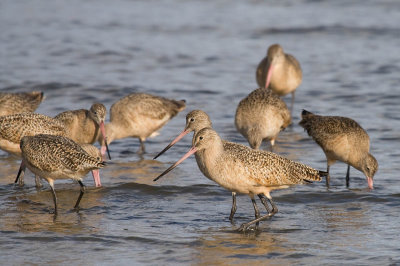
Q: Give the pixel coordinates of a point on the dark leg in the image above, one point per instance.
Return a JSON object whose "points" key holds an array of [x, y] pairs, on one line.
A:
{"points": [[256, 211], [246, 226], [83, 188], [348, 176], [292, 104], [141, 149], [328, 177], [233, 210], [264, 202], [38, 182], [20, 175], [54, 197]]}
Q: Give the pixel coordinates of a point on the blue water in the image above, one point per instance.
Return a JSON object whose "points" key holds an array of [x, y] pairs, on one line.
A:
{"points": [[206, 52]]}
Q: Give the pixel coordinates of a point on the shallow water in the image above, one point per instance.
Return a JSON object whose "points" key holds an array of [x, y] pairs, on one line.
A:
{"points": [[205, 52]]}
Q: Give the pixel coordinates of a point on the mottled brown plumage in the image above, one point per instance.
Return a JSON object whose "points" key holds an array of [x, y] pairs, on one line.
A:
{"points": [[140, 115], [56, 157], [280, 72], [261, 116], [342, 139], [244, 170], [83, 126], [15, 103], [14, 127]]}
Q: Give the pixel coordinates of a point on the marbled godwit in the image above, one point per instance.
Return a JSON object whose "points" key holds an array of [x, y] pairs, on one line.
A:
{"points": [[280, 72], [342, 139], [261, 116], [139, 115], [56, 157], [89, 148], [84, 126], [195, 121], [16, 103], [244, 170], [14, 127]]}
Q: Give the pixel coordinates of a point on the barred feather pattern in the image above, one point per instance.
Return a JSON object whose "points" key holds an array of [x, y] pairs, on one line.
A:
{"points": [[14, 127], [14, 103], [49, 153]]}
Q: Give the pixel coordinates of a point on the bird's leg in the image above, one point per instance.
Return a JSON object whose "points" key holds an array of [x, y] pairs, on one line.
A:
{"points": [[38, 182], [233, 210], [274, 208], [83, 188], [272, 145], [264, 202], [292, 104], [348, 176], [256, 211], [141, 149], [256, 221], [21, 173], [245, 226], [328, 177], [51, 183]]}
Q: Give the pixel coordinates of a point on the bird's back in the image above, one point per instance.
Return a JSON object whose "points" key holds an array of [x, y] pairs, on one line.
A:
{"points": [[262, 114], [14, 103], [14, 127], [49, 153], [325, 129], [144, 113], [270, 169]]}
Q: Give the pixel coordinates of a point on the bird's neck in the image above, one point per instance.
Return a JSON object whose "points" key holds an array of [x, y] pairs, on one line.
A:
{"points": [[113, 132], [208, 158]]}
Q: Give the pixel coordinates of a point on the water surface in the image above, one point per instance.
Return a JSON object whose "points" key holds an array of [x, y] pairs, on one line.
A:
{"points": [[205, 52]]}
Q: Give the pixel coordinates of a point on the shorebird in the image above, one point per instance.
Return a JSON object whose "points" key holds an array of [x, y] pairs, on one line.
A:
{"points": [[56, 157], [341, 139], [85, 126], [244, 170], [261, 116], [15, 103], [280, 72], [14, 127], [89, 148], [195, 121], [139, 115]]}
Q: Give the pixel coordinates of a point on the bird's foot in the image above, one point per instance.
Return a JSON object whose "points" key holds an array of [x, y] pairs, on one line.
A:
{"points": [[246, 227]]}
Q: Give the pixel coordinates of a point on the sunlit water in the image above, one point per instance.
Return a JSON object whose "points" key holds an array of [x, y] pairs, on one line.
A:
{"points": [[206, 52]]}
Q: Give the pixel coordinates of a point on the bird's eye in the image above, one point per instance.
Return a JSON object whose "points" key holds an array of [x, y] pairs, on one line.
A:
{"points": [[191, 119], [201, 138], [95, 112]]}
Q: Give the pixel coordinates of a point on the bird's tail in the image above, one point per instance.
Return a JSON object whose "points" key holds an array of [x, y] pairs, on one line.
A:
{"points": [[314, 175]]}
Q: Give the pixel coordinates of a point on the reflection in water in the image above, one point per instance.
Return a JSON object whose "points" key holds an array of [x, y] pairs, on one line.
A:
{"points": [[228, 248], [30, 211], [142, 172]]}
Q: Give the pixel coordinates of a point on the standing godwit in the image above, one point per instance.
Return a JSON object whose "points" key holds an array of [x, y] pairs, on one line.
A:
{"points": [[280, 72], [14, 127], [84, 126], [261, 116], [342, 139], [16, 103], [139, 115], [56, 157], [195, 121], [89, 148], [244, 170]]}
